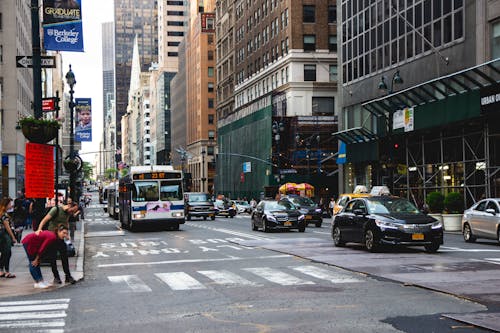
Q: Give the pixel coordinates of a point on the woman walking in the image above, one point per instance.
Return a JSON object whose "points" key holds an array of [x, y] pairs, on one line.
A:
{"points": [[7, 238]]}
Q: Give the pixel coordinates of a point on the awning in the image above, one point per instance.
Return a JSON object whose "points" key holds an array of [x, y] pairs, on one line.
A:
{"points": [[473, 78], [355, 135]]}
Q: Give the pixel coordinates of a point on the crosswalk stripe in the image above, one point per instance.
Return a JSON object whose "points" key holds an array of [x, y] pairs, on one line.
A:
{"points": [[33, 315], [227, 278], [133, 282], [324, 274], [50, 331], [34, 302], [179, 281], [26, 308], [277, 276], [32, 323]]}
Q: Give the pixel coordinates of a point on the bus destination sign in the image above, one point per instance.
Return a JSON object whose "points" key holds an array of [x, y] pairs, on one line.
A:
{"points": [[156, 175]]}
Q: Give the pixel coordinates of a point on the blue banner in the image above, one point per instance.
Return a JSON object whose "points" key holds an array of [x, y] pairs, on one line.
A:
{"points": [[62, 25], [342, 157], [83, 130]]}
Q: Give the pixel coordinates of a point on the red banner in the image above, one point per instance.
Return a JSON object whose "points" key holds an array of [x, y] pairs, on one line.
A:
{"points": [[49, 104], [39, 170]]}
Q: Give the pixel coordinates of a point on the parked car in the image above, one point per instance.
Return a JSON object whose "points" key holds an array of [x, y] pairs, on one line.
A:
{"points": [[386, 220], [482, 220], [225, 207], [312, 212], [198, 204], [273, 214], [243, 207]]}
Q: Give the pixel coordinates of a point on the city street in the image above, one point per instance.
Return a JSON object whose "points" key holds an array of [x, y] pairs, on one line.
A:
{"points": [[207, 278]]}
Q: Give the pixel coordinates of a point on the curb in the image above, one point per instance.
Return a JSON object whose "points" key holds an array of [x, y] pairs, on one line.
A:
{"points": [[81, 251]]}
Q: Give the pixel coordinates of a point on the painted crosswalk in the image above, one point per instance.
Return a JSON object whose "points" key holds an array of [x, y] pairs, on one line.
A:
{"points": [[34, 316], [245, 277]]}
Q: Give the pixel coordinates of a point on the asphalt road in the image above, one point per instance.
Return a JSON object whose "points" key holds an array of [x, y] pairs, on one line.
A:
{"points": [[204, 278]]}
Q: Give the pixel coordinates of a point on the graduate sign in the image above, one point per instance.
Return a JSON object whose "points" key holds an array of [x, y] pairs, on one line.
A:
{"points": [[62, 25], [83, 131]]}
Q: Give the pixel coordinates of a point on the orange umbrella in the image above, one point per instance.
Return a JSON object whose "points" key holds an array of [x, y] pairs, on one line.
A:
{"points": [[288, 188]]}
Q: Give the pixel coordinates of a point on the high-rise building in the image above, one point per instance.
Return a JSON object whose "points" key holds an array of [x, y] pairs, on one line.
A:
{"points": [[16, 91], [132, 18], [178, 112], [416, 81], [285, 89], [200, 106]]}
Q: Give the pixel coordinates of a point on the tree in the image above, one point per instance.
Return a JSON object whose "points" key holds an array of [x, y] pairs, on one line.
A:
{"points": [[88, 170], [110, 173]]}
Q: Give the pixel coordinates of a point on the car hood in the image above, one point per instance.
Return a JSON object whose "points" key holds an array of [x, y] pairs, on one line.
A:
{"points": [[406, 218], [197, 204], [283, 212]]}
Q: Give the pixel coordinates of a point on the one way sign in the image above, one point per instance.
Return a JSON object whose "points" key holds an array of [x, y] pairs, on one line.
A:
{"points": [[27, 62]]}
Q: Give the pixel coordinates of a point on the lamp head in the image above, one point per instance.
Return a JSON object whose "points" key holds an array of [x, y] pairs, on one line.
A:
{"points": [[281, 127], [397, 78], [70, 77], [382, 85]]}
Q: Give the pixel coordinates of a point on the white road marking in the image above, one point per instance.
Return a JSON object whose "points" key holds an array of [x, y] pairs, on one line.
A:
{"points": [[48, 301], [459, 249], [322, 232], [180, 281], [183, 261], [231, 232], [105, 233], [41, 307], [227, 278], [33, 315], [276, 276], [324, 274], [133, 281], [32, 324]]}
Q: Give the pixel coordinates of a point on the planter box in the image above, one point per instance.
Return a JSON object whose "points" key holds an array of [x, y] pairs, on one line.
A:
{"points": [[39, 133], [452, 222]]}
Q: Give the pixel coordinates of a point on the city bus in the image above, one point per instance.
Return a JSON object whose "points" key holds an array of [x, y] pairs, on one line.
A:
{"points": [[112, 199], [151, 195]]}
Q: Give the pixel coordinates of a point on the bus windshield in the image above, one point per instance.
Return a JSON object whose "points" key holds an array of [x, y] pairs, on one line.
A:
{"points": [[170, 191], [145, 191]]}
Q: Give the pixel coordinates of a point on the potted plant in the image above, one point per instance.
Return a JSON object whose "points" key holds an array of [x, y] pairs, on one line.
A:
{"points": [[454, 208], [39, 130], [435, 202]]}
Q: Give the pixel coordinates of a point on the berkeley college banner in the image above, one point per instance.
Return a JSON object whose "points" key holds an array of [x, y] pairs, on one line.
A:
{"points": [[83, 131], [62, 25]]}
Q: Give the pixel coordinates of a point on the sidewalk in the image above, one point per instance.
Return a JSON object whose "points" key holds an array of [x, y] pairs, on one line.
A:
{"points": [[23, 283]]}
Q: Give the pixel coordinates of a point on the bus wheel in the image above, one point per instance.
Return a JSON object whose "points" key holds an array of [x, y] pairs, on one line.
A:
{"points": [[176, 227]]}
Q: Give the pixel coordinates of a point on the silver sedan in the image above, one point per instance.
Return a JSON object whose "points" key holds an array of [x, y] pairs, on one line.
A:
{"points": [[482, 220]]}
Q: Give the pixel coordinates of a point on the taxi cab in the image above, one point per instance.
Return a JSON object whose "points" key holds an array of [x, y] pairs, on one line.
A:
{"points": [[359, 192]]}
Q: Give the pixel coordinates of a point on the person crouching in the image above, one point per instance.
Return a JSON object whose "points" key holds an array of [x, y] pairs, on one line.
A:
{"points": [[35, 245]]}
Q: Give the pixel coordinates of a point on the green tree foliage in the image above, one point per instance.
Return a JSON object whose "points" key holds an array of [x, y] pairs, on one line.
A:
{"points": [[110, 173], [454, 203], [435, 201], [88, 171]]}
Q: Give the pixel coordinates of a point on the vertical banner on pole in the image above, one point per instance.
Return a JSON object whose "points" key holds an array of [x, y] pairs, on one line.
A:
{"points": [[83, 131], [62, 25], [39, 170]]}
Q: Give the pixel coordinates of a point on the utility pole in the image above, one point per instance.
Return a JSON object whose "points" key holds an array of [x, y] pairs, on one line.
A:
{"points": [[37, 66]]}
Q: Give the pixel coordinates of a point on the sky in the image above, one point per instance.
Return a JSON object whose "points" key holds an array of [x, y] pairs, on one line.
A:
{"points": [[87, 67]]}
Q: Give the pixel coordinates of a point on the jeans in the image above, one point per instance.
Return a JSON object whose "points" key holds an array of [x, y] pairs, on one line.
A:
{"points": [[5, 248], [59, 246], [35, 272]]}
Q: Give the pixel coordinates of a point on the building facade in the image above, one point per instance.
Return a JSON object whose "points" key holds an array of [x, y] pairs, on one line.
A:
{"points": [[285, 77], [413, 73]]}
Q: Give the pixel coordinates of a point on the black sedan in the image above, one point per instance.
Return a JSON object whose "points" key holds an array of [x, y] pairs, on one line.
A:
{"points": [[272, 214], [377, 221], [312, 212]]}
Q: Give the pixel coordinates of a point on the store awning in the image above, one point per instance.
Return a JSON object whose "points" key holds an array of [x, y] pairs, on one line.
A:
{"points": [[472, 78], [355, 135]]}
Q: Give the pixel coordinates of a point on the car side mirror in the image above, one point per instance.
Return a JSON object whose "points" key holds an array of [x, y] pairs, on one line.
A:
{"points": [[359, 212], [491, 211]]}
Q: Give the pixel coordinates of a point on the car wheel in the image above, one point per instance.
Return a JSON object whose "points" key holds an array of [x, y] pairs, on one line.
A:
{"points": [[337, 237], [468, 236], [212, 218], [188, 217], [232, 216], [318, 224], [371, 241], [176, 227], [302, 227], [254, 227], [265, 228], [204, 218], [432, 248]]}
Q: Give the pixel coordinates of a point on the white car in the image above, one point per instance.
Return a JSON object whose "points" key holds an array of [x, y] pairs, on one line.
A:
{"points": [[482, 220], [243, 207]]}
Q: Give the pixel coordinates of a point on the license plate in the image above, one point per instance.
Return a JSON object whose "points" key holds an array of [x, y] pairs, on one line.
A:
{"points": [[287, 224], [417, 236], [309, 217]]}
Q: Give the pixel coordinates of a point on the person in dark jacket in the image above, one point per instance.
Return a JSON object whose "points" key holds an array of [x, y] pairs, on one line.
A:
{"points": [[35, 245]]}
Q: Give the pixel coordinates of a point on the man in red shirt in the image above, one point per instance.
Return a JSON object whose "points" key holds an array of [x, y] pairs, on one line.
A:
{"points": [[35, 245]]}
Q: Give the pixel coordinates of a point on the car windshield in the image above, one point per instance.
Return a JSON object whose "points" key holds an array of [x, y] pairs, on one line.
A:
{"points": [[391, 206], [303, 201], [200, 197], [282, 205], [243, 203]]}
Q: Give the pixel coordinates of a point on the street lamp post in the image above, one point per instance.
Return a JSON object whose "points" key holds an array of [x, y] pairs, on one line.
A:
{"points": [[278, 127], [70, 80], [203, 178]]}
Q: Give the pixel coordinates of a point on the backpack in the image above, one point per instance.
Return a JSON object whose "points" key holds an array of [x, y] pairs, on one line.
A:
{"points": [[21, 212]]}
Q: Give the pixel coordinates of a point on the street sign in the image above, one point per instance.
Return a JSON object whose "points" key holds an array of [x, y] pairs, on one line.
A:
{"points": [[49, 104], [27, 62]]}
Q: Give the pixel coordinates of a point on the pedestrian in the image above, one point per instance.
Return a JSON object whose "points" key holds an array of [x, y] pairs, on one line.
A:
{"points": [[35, 245], [56, 216], [253, 203], [331, 205], [73, 219], [7, 238], [20, 216]]}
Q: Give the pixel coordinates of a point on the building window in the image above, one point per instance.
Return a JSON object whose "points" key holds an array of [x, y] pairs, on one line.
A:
{"points": [[175, 33], [495, 40], [210, 151], [210, 55], [173, 54], [210, 39], [210, 23], [309, 72], [210, 72], [210, 103], [211, 119], [210, 87], [309, 13], [323, 106], [175, 23], [309, 42], [332, 14], [173, 43], [211, 135], [332, 43], [333, 73]]}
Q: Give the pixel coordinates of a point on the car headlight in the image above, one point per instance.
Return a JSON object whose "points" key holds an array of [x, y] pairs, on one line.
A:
{"points": [[437, 225], [386, 224], [303, 211], [271, 218], [177, 214], [138, 216], [318, 210], [301, 217]]}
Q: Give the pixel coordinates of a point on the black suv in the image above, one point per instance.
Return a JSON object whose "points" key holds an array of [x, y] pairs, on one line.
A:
{"points": [[312, 212], [198, 204]]}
